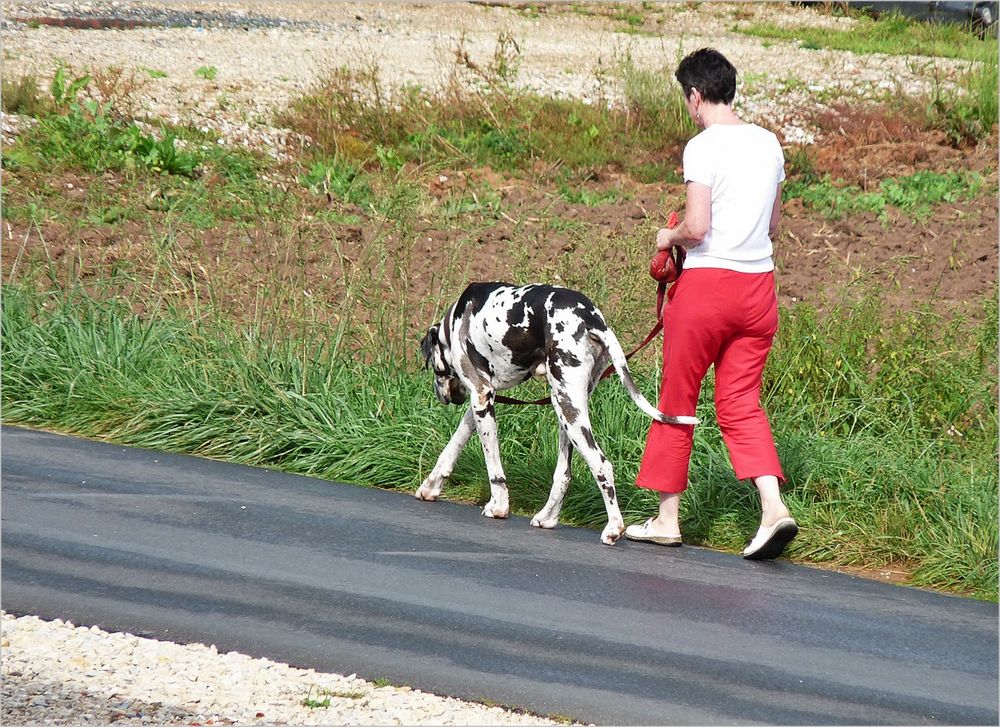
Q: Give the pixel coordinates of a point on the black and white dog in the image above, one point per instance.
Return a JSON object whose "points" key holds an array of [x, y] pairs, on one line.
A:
{"points": [[495, 337]]}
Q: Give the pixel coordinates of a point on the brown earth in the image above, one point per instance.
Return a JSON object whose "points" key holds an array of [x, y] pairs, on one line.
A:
{"points": [[534, 234]]}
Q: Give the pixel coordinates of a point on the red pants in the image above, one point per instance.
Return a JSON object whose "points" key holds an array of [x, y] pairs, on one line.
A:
{"points": [[728, 319]]}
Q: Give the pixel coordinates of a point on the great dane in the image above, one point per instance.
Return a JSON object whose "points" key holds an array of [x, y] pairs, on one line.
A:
{"points": [[497, 335]]}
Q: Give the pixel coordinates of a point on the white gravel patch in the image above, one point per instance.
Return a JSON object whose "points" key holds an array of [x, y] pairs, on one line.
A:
{"points": [[56, 673]]}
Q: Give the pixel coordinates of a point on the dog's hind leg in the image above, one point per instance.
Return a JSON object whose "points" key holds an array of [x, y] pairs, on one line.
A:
{"points": [[430, 488], [571, 403], [548, 516]]}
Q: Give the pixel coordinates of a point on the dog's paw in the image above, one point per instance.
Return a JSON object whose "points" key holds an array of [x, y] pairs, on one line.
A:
{"points": [[428, 491], [492, 509], [612, 533], [546, 523]]}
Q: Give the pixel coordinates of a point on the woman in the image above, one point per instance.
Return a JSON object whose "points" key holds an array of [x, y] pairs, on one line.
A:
{"points": [[724, 310]]}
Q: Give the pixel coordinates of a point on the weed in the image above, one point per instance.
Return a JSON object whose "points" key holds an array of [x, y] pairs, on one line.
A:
{"points": [[328, 696], [86, 133], [971, 116], [22, 96], [312, 703], [892, 33], [86, 136], [801, 165], [338, 180], [487, 122], [482, 202], [64, 91], [118, 89], [206, 72], [590, 198]]}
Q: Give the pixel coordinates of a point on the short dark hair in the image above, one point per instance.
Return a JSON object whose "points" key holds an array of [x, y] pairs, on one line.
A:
{"points": [[711, 73]]}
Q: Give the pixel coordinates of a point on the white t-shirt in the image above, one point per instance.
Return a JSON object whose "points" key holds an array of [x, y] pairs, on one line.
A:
{"points": [[743, 164]]}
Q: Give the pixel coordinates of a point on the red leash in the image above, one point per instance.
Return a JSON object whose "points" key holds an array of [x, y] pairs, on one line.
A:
{"points": [[665, 268]]}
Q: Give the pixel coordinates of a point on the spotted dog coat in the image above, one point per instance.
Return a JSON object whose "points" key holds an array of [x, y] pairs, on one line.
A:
{"points": [[495, 337]]}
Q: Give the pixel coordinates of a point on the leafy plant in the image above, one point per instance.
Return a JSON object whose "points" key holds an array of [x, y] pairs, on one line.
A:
{"points": [[64, 91], [915, 194], [313, 703], [157, 156], [206, 72]]}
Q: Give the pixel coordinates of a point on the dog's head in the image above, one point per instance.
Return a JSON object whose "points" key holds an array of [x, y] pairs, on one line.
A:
{"points": [[435, 349]]}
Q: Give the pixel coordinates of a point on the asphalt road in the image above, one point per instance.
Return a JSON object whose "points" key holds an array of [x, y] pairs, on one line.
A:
{"points": [[346, 579]]}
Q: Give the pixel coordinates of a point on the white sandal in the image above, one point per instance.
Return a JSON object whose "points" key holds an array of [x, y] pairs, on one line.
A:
{"points": [[770, 542], [641, 534]]}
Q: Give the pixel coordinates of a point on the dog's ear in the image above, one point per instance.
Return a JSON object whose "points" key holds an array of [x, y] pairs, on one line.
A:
{"points": [[427, 345]]}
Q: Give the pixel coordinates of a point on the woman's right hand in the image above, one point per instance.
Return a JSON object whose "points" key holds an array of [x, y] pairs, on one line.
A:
{"points": [[664, 238]]}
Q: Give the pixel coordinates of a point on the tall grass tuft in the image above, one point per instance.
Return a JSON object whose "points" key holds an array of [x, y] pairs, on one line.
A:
{"points": [[22, 96], [481, 118]]}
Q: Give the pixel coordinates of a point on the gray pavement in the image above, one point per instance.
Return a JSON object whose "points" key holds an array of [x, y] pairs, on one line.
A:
{"points": [[347, 579]]}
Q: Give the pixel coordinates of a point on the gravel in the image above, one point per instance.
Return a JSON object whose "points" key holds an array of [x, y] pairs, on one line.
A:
{"points": [[56, 673], [267, 53]]}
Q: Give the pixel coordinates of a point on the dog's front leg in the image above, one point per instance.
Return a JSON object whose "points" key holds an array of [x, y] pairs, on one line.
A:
{"points": [[486, 425], [431, 487]]}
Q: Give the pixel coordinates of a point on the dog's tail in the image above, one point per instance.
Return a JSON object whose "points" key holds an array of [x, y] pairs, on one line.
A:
{"points": [[617, 353]]}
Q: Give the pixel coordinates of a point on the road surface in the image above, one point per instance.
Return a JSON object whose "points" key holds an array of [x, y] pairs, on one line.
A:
{"points": [[347, 579]]}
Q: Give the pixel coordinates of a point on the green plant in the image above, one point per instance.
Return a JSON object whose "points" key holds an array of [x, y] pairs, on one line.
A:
{"points": [[312, 703], [489, 123], [327, 697], [336, 179], [206, 72], [157, 156], [892, 33], [590, 198], [64, 91], [86, 136], [971, 115], [484, 202]]}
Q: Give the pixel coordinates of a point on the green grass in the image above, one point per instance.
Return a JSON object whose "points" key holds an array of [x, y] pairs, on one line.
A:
{"points": [[886, 422], [892, 34], [916, 195]]}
